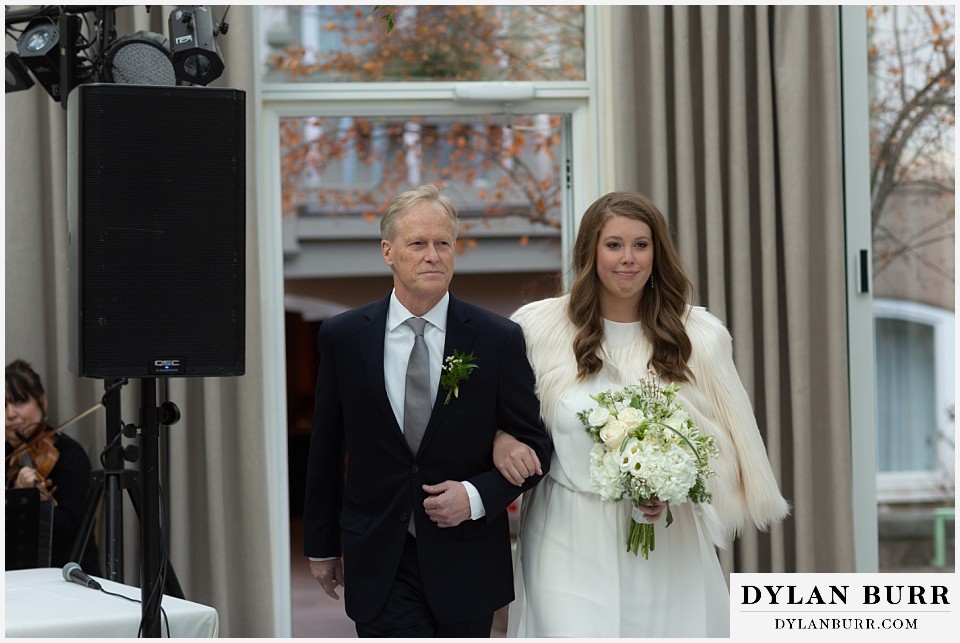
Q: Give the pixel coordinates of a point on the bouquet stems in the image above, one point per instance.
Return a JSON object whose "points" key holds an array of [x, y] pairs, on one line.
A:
{"points": [[642, 538]]}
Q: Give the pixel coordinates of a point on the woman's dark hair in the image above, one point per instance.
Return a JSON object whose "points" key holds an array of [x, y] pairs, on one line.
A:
{"points": [[23, 383], [664, 300]]}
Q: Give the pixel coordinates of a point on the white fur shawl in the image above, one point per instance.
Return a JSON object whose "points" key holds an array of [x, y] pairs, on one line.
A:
{"points": [[745, 487]]}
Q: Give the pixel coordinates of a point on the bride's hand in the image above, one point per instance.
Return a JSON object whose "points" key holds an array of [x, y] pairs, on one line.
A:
{"points": [[514, 459], [653, 509]]}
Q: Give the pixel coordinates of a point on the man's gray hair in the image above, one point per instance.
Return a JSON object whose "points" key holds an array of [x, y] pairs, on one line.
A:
{"points": [[388, 222]]}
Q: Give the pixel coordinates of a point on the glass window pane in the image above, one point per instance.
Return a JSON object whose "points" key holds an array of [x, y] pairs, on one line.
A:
{"points": [[912, 124], [495, 167], [341, 43], [906, 396]]}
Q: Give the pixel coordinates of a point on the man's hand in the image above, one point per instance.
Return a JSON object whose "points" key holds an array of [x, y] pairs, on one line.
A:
{"points": [[447, 503], [329, 573], [515, 460]]}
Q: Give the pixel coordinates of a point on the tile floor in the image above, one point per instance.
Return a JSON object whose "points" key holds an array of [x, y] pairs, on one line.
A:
{"points": [[314, 614]]}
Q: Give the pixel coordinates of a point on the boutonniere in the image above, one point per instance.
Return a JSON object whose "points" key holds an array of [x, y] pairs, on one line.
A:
{"points": [[456, 369]]}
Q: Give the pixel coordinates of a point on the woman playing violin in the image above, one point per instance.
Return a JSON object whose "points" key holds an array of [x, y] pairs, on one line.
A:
{"points": [[52, 462]]}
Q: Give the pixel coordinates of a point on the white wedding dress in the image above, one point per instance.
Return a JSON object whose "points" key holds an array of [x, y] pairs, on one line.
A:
{"points": [[574, 577]]}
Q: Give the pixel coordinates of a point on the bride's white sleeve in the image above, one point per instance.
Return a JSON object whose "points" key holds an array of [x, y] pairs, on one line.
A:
{"points": [[744, 488]]}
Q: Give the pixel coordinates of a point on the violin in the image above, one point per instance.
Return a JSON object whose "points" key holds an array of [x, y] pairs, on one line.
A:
{"points": [[39, 451]]}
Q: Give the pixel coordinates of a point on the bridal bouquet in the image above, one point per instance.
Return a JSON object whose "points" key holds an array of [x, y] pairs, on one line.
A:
{"points": [[646, 448]]}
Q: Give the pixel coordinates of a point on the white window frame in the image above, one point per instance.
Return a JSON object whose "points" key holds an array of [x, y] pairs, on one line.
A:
{"points": [[854, 87], [935, 485], [578, 99]]}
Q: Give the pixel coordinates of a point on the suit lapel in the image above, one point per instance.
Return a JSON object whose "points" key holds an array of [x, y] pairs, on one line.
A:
{"points": [[459, 337], [371, 337]]}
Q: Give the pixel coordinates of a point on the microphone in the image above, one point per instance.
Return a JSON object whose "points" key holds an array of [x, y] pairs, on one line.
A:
{"points": [[74, 574]]}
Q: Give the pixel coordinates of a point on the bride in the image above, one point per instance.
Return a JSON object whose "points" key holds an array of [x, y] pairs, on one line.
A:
{"points": [[628, 313]]}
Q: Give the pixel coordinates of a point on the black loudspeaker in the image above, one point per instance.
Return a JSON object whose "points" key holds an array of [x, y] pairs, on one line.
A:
{"points": [[156, 189]]}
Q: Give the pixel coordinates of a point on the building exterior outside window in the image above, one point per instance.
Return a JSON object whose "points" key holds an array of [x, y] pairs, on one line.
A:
{"points": [[486, 101], [913, 219]]}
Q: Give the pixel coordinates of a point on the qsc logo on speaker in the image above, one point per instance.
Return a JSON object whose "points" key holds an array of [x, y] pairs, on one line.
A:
{"points": [[166, 366]]}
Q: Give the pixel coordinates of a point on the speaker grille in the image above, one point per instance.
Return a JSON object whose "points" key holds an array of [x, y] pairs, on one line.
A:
{"points": [[161, 231]]}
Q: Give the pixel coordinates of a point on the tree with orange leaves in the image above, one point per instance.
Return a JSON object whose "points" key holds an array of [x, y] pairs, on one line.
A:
{"points": [[912, 69], [506, 162]]}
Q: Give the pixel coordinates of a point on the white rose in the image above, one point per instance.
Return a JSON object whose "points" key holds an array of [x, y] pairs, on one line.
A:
{"points": [[599, 416], [676, 420], [630, 416], [613, 433]]}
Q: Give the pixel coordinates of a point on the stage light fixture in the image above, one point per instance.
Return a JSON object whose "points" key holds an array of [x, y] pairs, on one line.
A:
{"points": [[18, 77], [195, 54], [38, 50], [142, 58]]}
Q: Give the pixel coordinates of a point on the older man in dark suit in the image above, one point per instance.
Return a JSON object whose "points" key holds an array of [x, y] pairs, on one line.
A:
{"points": [[404, 507]]}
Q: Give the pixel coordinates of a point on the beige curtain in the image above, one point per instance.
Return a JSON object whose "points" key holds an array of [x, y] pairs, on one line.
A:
{"points": [[733, 114], [223, 544]]}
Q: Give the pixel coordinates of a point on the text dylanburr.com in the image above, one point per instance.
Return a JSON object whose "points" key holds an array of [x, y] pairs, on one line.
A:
{"points": [[848, 607]]}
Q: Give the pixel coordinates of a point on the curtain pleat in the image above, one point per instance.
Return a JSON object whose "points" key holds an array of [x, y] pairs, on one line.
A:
{"points": [[736, 111], [216, 481]]}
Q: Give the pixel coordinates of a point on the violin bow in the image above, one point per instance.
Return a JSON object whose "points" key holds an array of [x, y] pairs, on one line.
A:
{"points": [[24, 445]]}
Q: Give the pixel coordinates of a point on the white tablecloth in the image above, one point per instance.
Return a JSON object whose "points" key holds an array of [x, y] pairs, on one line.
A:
{"points": [[39, 603]]}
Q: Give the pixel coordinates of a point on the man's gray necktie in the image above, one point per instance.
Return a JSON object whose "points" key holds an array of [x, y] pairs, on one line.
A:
{"points": [[417, 400]]}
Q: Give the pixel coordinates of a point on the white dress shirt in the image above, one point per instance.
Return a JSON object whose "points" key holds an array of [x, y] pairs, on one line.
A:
{"points": [[397, 345]]}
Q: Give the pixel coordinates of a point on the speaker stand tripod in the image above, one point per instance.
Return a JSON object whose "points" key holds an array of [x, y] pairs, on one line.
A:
{"points": [[143, 489]]}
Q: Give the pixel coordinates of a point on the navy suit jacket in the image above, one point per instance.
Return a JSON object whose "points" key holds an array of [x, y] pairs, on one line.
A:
{"points": [[363, 482]]}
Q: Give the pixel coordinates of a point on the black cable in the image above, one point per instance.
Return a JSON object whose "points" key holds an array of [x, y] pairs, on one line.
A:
{"points": [[161, 580], [14, 33], [103, 453], [157, 593], [135, 600], [87, 39]]}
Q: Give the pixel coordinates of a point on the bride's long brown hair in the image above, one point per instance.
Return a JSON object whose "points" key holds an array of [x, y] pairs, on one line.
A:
{"points": [[665, 297]]}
